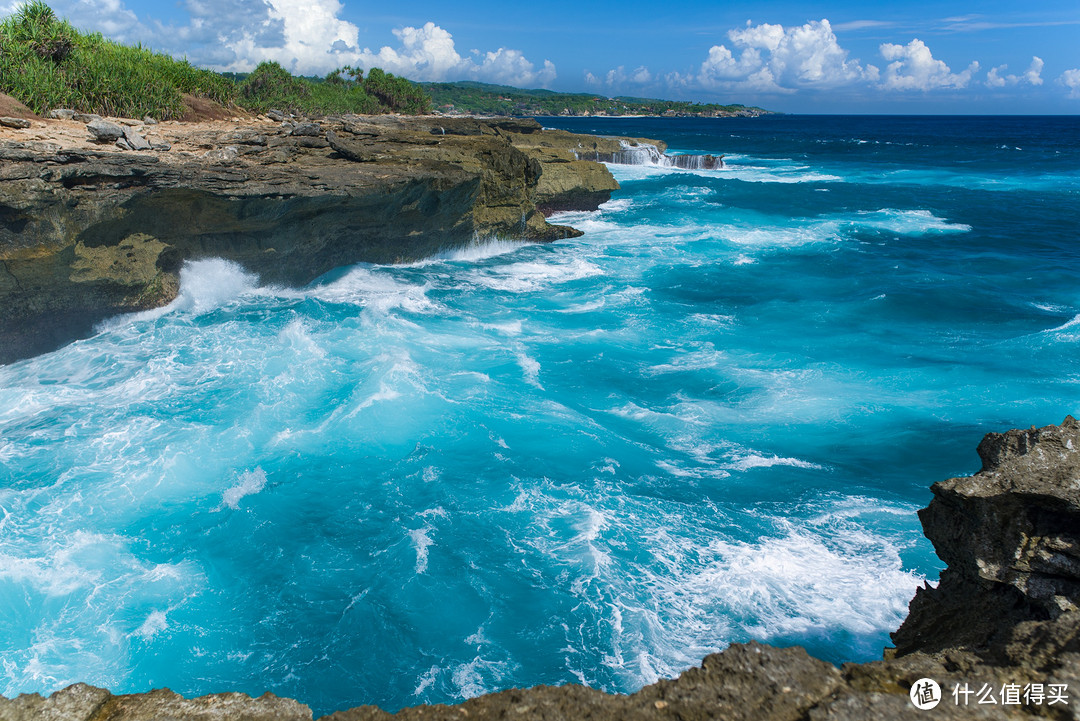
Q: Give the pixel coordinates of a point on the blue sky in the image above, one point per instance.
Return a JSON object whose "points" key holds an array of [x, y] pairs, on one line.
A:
{"points": [[834, 56]]}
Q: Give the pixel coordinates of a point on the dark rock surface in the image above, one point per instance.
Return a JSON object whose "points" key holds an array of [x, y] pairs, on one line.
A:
{"points": [[1004, 616], [89, 232]]}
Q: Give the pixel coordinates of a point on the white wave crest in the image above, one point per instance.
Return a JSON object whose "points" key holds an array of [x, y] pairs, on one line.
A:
{"points": [[251, 482], [205, 285], [531, 276]]}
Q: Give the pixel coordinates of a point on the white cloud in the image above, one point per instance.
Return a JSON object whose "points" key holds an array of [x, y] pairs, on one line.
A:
{"points": [[1031, 76], [306, 36], [778, 59], [617, 78], [1071, 80], [913, 67], [428, 53]]}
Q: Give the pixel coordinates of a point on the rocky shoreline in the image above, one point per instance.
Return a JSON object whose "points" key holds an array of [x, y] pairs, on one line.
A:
{"points": [[1000, 634], [97, 217]]}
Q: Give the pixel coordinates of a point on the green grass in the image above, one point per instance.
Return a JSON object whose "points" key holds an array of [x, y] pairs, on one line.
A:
{"points": [[46, 63], [344, 90]]}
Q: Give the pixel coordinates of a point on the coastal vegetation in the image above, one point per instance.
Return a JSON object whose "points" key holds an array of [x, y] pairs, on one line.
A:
{"points": [[47, 63], [344, 90], [474, 97]]}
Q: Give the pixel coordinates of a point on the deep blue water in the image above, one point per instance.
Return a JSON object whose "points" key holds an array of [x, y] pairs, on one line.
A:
{"points": [[710, 419]]}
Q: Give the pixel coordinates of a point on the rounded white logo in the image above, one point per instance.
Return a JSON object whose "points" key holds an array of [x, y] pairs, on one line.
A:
{"points": [[925, 694]]}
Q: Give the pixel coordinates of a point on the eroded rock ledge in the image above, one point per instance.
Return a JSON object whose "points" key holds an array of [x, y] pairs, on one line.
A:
{"points": [[89, 229], [1005, 612]]}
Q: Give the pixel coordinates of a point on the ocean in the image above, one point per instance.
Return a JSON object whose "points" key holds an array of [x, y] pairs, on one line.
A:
{"points": [[710, 419]]}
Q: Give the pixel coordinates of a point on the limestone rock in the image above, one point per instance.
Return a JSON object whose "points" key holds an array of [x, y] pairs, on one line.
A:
{"points": [[136, 141], [18, 123], [86, 703], [310, 129], [62, 114], [386, 190], [1010, 535], [103, 131]]}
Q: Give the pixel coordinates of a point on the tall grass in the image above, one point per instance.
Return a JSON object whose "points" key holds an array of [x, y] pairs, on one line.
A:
{"points": [[46, 63]]}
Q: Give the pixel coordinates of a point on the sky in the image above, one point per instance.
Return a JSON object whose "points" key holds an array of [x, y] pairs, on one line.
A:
{"points": [[835, 56]]}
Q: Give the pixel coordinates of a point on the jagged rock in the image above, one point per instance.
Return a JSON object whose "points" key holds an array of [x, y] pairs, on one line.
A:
{"points": [[18, 123], [87, 117], [246, 136], [222, 155], [147, 120], [62, 114], [276, 115], [136, 141], [1010, 535], [160, 146], [86, 703], [311, 129], [103, 131], [123, 144]]}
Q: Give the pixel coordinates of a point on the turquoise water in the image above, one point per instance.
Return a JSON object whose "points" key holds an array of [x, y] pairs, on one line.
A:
{"points": [[709, 419]]}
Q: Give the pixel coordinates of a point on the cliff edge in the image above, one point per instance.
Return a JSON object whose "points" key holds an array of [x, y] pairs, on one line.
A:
{"points": [[1000, 634], [97, 216]]}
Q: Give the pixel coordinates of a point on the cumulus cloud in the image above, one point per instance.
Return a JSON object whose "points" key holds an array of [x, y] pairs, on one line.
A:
{"points": [[1031, 76], [773, 58], [429, 53], [913, 67], [306, 36], [1071, 80], [619, 77]]}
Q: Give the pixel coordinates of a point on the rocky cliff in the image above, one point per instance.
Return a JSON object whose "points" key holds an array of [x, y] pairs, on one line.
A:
{"points": [[1002, 628], [91, 227]]}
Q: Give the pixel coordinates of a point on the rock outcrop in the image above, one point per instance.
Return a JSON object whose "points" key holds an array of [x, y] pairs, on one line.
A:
{"points": [[1000, 634], [89, 231]]}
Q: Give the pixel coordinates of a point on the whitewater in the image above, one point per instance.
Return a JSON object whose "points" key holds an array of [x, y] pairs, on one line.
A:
{"points": [[711, 418]]}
